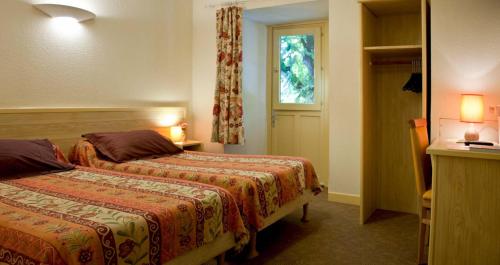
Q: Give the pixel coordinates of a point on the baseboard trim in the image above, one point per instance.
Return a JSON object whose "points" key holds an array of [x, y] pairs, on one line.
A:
{"points": [[344, 198]]}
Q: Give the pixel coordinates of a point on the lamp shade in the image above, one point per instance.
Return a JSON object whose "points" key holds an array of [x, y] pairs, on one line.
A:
{"points": [[176, 134], [472, 108]]}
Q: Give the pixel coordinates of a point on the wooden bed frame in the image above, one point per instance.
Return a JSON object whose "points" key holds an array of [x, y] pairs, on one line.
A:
{"points": [[64, 127], [207, 252]]}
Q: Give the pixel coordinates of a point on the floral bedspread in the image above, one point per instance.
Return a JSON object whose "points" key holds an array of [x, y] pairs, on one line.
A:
{"points": [[260, 184], [92, 216]]}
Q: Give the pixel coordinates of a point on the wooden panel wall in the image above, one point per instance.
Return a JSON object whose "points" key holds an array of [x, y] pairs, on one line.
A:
{"points": [[395, 108], [369, 183], [398, 30], [65, 126]]}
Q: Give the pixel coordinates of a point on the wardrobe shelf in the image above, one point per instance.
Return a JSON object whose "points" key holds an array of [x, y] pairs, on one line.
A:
{"points": [[391, 7], [409, 50]]}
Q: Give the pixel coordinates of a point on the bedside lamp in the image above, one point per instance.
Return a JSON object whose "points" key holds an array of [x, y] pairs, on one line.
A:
{"points": [[472, 111], [176, 134]]}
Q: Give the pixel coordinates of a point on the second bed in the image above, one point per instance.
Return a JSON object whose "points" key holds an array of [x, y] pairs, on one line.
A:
{"points": [[266, 188]]}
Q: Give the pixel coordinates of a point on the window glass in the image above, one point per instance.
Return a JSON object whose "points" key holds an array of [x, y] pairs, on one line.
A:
{"points": [[297, 69]]}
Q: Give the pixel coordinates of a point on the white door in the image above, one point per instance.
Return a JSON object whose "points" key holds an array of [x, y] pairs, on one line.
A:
{"points": [[299, 124]]}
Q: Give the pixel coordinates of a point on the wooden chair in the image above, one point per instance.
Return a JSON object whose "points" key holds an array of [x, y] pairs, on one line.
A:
{"points": [[423, 173]]}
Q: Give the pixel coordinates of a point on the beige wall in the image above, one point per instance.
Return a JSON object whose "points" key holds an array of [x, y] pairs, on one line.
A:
{"points": [[465, 56], [134, 53], [204, 68], [345, 97]]}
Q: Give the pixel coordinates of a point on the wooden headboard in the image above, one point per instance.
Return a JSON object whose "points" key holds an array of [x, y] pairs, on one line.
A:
{"points": [[64, 126]]}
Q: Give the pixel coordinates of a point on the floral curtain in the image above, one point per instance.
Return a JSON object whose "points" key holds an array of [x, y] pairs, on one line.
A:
{"points": [[227, 126]]}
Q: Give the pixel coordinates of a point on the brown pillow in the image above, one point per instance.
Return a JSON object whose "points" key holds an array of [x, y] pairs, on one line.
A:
{"points": [[20, 158], [124, 146]]}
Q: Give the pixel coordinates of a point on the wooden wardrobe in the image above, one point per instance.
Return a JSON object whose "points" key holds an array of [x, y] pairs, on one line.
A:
{"points": [[394, 37]]}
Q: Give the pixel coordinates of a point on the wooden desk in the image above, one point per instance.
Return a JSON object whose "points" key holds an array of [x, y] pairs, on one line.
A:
{"points": [[465, 222]]}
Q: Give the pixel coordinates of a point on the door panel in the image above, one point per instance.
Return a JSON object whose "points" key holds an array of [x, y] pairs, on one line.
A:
{"points": [[310, 139], [299, 119], [284, 135]]}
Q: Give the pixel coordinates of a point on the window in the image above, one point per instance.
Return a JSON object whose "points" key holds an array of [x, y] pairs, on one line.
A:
{"points": [[297, 68]]}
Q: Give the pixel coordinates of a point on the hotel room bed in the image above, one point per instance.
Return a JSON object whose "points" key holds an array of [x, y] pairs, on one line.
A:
{"points": [[94, 216], [262, 185], [258, 184]]}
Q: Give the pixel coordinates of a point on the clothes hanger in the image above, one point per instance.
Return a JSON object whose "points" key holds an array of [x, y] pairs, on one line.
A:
{"points": [[414, 84]]}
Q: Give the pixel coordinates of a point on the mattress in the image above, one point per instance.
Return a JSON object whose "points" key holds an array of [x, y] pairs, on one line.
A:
{"points": [[261, 185], [93, 216]]}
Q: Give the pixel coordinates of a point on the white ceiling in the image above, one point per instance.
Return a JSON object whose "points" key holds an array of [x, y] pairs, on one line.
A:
{"points": [[313, 10]]}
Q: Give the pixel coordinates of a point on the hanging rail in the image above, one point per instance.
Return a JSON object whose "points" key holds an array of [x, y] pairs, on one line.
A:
{"points": [[400, 61], [392, 62]]}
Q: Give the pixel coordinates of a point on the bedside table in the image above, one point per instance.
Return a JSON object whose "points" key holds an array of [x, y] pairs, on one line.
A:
{"points": [[190, 145]]}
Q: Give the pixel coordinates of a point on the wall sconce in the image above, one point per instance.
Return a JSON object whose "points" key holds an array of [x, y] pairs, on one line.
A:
{"points": [[472, 111], [69, 13]]}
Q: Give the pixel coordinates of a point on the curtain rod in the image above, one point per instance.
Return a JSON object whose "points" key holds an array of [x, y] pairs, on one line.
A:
{"points": [[227, 3]]}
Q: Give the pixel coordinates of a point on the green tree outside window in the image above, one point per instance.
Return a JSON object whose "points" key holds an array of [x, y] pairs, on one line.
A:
{"points": [[297, 69]]}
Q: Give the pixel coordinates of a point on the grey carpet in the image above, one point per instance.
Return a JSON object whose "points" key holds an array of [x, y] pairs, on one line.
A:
{"points": [[334, 236]]}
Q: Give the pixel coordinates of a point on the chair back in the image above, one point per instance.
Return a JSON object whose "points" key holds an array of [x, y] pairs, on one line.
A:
{"points": [[421, 160]]}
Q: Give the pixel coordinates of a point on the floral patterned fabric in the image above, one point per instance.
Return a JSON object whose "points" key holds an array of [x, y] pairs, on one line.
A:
{"points": [[260, 184], [227, 126], [92, 216]]}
